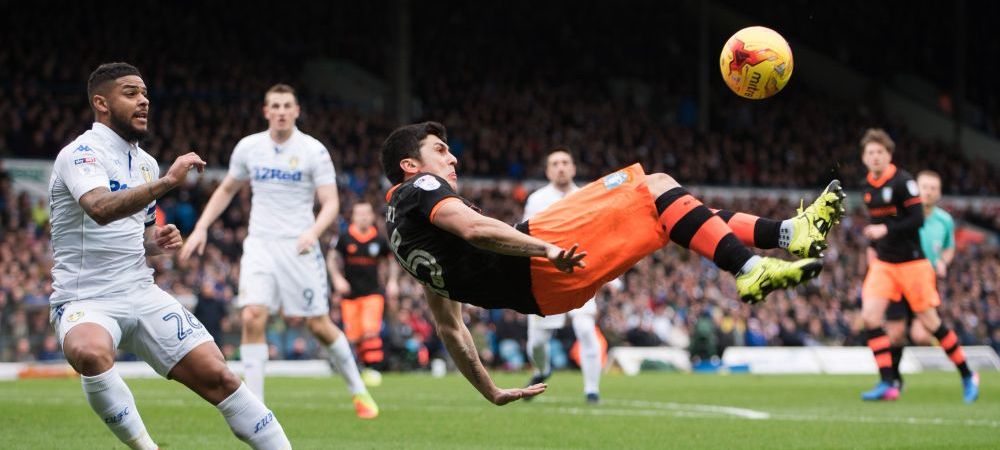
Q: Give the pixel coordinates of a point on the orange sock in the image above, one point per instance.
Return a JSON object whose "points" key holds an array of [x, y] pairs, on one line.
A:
{"points": [[753, 231], [949, 342], [878, 342], [692, 225]]}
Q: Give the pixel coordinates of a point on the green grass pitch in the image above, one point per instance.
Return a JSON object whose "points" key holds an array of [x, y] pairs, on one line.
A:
{"points": [[648, 411]]}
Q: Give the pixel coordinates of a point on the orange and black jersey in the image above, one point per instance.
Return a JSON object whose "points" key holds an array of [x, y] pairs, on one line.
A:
{"points": [[360, 252], [446, 263], [894, 200]]}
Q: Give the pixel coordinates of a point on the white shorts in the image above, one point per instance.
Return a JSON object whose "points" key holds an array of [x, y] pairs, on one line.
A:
{"points": [[274, 275], [145, 321], [557, 321]]}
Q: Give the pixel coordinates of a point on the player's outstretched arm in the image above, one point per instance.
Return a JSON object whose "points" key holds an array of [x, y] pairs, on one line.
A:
{"points": [[217, 203], [493, 235], [105, 206], [458, 341]]}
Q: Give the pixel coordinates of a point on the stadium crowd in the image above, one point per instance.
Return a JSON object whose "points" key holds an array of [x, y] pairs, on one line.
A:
{"points": [[672, 298], [630, 105], [502, 119]]}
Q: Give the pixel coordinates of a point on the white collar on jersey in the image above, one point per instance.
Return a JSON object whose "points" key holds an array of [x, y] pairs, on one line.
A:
{"points": [[115, 139], [572, 188], [278, 148]]}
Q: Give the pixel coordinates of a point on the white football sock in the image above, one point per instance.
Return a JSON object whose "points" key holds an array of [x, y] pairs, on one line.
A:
{"points": [[785, 233], [590, 352], [538, 350], [252, 422], [254, 358], [342, 361], [749, 265], [111, 399]]}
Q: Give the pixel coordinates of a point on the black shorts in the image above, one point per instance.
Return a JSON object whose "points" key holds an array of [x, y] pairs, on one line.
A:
{"points": [[899, 310]]}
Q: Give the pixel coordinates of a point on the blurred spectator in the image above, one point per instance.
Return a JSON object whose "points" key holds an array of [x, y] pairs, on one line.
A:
{"points": [[50, 350], [211, 309]]}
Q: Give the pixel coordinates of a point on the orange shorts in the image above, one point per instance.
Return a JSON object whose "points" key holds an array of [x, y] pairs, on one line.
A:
{"points": [[613, 219], [914, 279], [362, 315]]}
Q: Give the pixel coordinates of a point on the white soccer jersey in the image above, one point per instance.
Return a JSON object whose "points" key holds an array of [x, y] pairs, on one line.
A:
{"points": [[93, 261], [283, 179], [543, 198]]}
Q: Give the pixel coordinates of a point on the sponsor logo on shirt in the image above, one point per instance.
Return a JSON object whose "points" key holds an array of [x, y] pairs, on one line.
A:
{"points": [[427, 183], [75, 316], [116, 186], [87, 160], [616, 179], [265, 173]]}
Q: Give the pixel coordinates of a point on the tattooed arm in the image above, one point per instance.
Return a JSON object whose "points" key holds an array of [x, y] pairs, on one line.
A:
{"points": [[493, 235], [458, 341], [105, 206]]}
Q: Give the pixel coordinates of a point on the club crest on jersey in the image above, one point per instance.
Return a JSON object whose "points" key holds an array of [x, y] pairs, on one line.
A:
{"points": [[146, 173], [616, 179], [427, 183], [293, 163], [75, 316], [373, 248], [887, 194], [911, 186]]}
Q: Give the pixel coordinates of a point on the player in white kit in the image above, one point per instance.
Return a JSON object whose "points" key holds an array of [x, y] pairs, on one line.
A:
{"points": [[103, 194], [560, 170], [282, 265]]}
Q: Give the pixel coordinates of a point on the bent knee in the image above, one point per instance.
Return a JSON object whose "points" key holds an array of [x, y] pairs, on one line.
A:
{"points": [[227, 381], [660, 182], [90, 360], [254, 318], [897, 335]]}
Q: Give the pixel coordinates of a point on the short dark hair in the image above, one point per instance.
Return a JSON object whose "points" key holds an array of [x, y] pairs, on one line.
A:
{"points": [[404, 142], [108, 72], [878, 135], [929, 173], [281, 88], [557, 149]]}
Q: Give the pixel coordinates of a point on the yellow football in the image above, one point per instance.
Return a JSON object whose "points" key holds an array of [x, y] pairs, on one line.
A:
{"points": [[756, 62]]}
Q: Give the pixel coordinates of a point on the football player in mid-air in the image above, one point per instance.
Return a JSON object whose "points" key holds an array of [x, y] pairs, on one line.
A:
{"points": [[460, 255], [560, 170]]}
